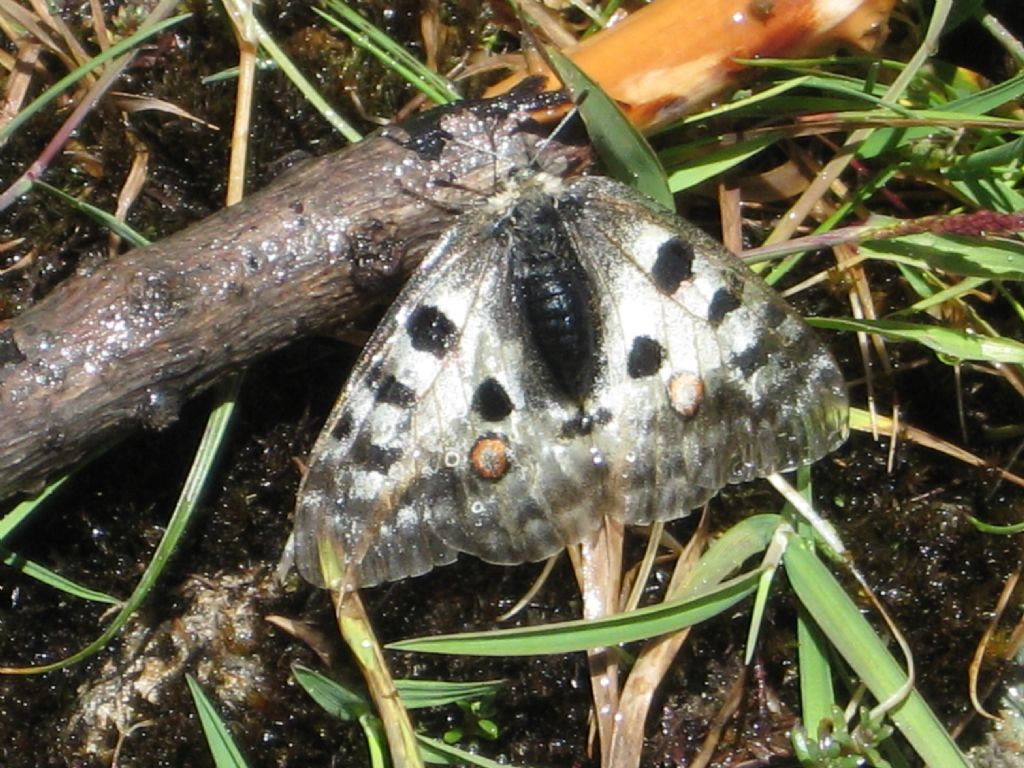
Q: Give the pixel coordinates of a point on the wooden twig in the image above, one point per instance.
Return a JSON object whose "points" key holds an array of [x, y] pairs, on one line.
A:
{"points": [[127, 344]]}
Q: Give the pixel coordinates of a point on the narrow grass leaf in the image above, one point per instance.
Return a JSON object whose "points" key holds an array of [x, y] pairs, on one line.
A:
{"points": [[364, 34], [624, 151], [1002, 530], [1007, 154], [718, 162], [856, 641], [333, 697], [419, 694], [762, 100], [850, 88], [580, 635], [222, 747], [950, 342], [989, 99], [757, 613], [108, 220], [955, 291], [55, 90], [346, 705], [304, 86], [968, 107], [727, 554], [438, 753], [24, 509], [991, 192], [817, 693], [999, 259], [46, 576], [916, 279]]}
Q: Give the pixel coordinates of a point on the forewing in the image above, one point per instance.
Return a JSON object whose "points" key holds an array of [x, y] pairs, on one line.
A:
{"points": [[711, 378], [442, 441], [368, 444]]}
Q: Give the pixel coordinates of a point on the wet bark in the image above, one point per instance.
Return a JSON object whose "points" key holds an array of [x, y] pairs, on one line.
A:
{"points": [[127, 344]]}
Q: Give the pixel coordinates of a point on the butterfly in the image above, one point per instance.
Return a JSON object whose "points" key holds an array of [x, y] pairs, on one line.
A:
{"points": [[567, 351]]}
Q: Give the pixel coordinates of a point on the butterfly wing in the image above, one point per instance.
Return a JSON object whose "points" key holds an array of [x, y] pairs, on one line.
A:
{"points": [[711, 377], [441, 441]]}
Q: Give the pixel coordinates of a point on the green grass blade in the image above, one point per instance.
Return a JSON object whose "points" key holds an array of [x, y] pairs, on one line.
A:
{"points": [[364, 34], [108, 220], [989, 99], [719, 161], [1001, 530], [24, 509], [222, 747], [704, 595], [950, 342], [439, 753], [764, 531], [961, 288], [304, 86], [998, 259], [419, 694], [625, 153], [817, 692], [55, 580], [580, 635], [346, 705], [988, 191], [855, 640], [752, 102], [727, 554], [975, 105], [983, 162], [78, 73], [331, 696]]}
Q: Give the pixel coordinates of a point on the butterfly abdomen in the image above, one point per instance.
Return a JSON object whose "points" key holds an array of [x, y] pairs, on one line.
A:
{"points": [[553, 293]]}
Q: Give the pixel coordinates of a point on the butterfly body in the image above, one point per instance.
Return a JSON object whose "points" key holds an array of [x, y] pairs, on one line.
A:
{"points": [[553, 292], [567, 351]]}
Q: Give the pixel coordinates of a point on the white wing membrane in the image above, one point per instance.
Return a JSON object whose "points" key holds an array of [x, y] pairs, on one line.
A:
{"points": [[772, 398], [450, 437]]}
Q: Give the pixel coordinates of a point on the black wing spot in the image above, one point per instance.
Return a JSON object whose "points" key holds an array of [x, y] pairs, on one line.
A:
{"points": [[774, 315], [491, 400], [343, 426], [722, 303], [750, 359], [673, 266], [375, 457], [645, 357], [394, 392], [430, 330], [375, 374]]}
